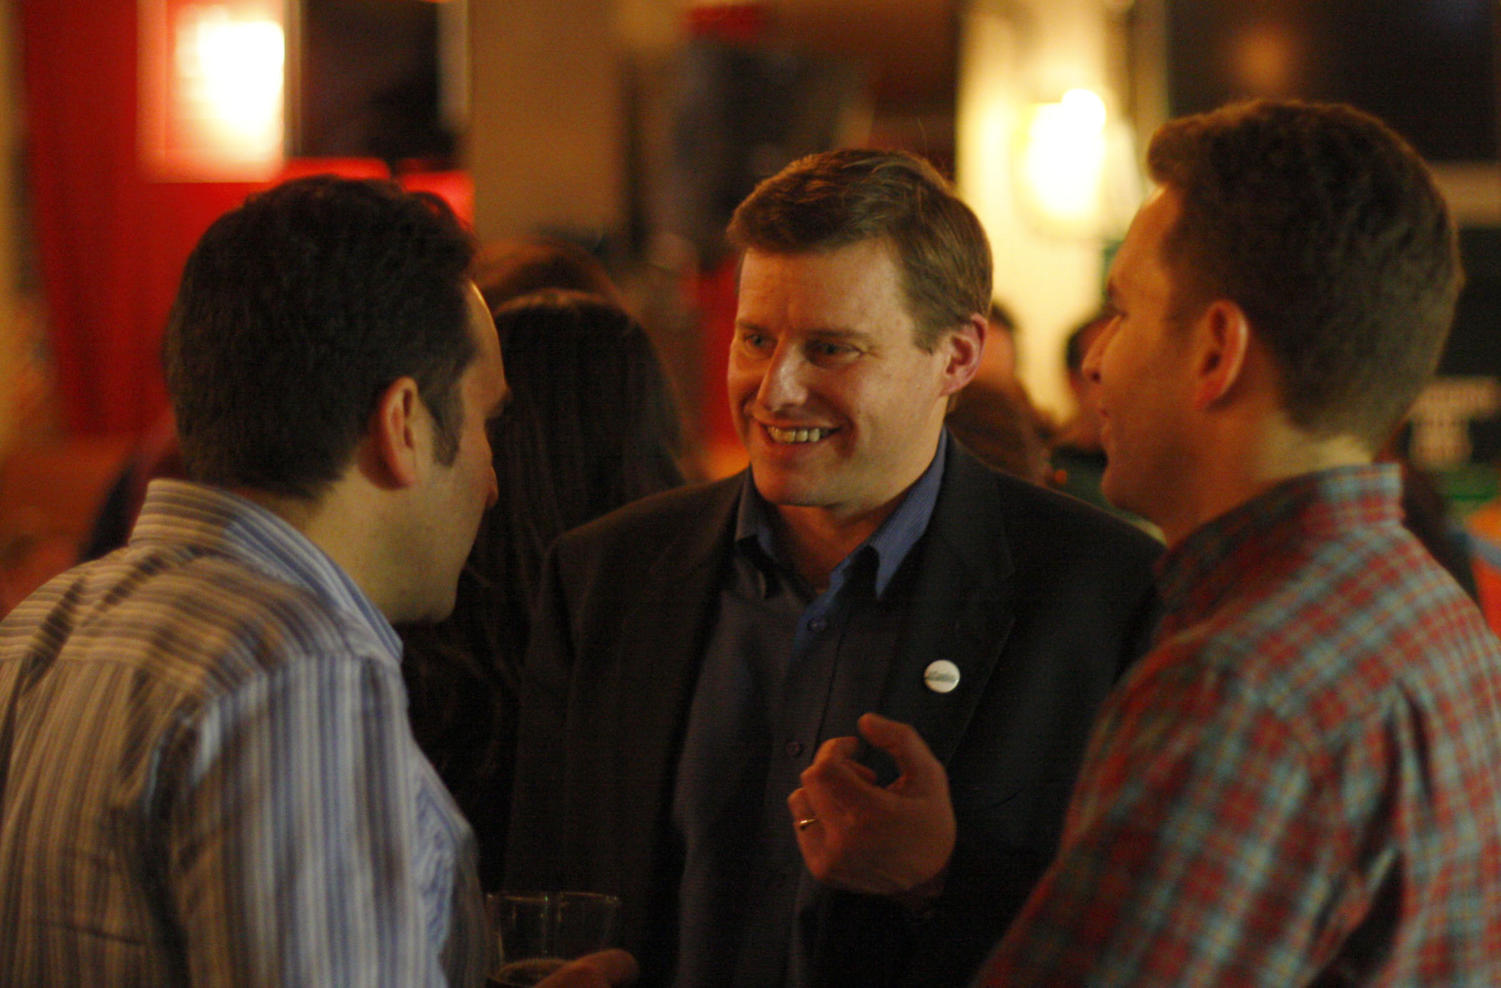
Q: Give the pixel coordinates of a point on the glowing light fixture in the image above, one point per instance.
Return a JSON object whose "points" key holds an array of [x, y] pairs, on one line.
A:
{"points": [[1061, 163], [212, 78]]}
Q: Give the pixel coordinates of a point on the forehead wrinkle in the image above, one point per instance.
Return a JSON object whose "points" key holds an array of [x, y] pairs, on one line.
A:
{"points": [[839, 333]]}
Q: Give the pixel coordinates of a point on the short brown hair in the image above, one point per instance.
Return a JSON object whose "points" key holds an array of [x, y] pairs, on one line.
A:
{"points": [[1326, 228], [831, 200]]}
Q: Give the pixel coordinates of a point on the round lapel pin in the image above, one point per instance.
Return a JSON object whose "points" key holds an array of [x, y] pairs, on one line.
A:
{"points": [[941, 676]]}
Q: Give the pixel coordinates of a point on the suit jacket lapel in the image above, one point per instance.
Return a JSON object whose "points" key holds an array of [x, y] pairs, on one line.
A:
{"points": [[961, 610], [664, 629], [669, 611]]}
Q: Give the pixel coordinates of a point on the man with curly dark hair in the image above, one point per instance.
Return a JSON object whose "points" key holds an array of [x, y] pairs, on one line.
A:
{"points": [[206, 773]]}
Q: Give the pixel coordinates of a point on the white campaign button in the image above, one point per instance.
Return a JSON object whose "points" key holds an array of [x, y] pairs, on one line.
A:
{"points": [[941, 676]]}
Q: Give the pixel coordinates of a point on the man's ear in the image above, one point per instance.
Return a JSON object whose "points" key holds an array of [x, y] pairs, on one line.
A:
{"points": [[966, 345], [1222, 338], [395, 435]]}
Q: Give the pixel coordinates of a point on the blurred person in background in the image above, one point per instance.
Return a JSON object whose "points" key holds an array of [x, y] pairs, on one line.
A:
{"points": [[1427, 514], [993, 417], [1076, 454], [509, 268], [591, 426]]}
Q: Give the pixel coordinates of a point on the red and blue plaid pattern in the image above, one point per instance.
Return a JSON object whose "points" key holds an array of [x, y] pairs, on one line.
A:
{"points": [[1301, 783]]}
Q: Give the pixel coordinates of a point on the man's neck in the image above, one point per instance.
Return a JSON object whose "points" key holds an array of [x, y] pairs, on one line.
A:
{"points": [[297, 512], [1280, 455], [339, 523], [816, 539]]}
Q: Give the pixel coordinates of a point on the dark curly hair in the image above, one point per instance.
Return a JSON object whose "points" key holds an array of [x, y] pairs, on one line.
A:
{"points": [[296, 311]]}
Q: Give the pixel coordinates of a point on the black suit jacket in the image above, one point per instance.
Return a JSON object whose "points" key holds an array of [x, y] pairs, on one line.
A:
{"points": [[1039, 599]]}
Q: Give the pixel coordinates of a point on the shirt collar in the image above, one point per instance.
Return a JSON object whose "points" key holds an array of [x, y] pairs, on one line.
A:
{"points": [[198, 515], [1195, 574], [890, 543]]}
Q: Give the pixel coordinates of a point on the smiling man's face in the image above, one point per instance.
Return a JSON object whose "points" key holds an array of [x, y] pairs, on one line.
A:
{"points": [[838, 408]]}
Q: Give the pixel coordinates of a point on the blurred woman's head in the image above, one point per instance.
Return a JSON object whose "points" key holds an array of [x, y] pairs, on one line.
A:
{"points": [[592, 423]]}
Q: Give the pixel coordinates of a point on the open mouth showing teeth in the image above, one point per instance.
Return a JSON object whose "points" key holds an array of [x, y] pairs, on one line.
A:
{"points": [[796, 435]]}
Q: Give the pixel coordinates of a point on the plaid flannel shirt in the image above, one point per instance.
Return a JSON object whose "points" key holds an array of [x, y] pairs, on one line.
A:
{"points": [[1301, 783]]}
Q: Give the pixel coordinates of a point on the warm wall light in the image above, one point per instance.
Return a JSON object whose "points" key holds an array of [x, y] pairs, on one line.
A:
{"points": [[212, 78], [232, 71], [1062, 162], [1073, 168]]}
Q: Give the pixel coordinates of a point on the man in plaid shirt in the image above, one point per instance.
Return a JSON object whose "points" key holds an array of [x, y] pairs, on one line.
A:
{"points": [[1301, 783]]}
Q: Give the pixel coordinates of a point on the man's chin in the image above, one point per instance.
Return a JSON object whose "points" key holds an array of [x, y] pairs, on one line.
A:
{"points": [[1121, 500], [421, 612], [786, 492]]}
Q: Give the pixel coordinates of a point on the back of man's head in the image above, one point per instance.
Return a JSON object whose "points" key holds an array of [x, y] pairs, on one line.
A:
{"points": [[1328, 231], [296, 311], [831, 200]]}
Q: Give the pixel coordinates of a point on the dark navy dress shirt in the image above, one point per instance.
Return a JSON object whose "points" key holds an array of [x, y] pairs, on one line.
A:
{"points": [[785, 670]]}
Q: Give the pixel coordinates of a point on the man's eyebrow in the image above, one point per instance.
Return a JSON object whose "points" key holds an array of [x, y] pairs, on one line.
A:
{"points": [[853, 337], [822, 334]]}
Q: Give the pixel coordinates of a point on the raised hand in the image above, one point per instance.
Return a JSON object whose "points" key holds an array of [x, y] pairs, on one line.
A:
{"points": [[861, 837]]}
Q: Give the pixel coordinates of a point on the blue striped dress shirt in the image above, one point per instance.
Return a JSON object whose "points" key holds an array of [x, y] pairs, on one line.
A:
{"points": [[207, 776]]}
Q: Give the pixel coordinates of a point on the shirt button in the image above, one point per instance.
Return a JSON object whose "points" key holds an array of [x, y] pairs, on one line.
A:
{"points": [[818, 624], [794, 748]]}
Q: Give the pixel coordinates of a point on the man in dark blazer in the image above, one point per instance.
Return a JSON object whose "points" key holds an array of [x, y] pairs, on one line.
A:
{"points": [[693, 651]]}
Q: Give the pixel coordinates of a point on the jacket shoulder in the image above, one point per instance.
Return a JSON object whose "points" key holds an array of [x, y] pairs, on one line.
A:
{"points": [[655, 519], [1036, 518]]}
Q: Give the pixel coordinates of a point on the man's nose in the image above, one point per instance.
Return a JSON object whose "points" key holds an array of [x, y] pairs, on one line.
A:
{"points": [[1096, 352], [784, 382]]}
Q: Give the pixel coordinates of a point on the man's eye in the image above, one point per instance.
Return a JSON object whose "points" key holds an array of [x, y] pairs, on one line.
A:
{"points": [[821, 350]]}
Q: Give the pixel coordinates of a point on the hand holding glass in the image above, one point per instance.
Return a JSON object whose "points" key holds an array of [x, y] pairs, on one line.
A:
{"points": [[535, 933]]}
